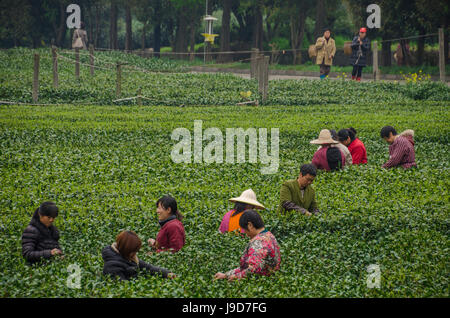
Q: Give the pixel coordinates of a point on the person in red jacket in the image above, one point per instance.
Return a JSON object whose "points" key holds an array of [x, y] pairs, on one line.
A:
{"points": [[354, 145], [171, 237]]}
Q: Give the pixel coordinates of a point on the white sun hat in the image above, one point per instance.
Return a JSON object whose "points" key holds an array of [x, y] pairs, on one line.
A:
{"points": [[324, 138], [248, 197]]}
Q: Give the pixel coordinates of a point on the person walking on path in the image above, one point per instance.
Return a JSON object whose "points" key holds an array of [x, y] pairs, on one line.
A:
{"points": [[360, 47], [326, 49], [80, 39]]}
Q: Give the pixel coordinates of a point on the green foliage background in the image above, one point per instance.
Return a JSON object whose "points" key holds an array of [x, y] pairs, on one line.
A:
{"points": [[105, 166]]}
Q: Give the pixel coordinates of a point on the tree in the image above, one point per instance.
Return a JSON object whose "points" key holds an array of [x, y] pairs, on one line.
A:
{"points": [[225, 32], [129, 31], [320, 18], [433, 14], [113, 39], [298, 12], [15, 21], [189, 13]]}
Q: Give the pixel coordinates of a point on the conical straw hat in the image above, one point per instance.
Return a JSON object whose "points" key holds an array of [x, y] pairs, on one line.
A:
{"points": [[324, 138], [248, 197]]}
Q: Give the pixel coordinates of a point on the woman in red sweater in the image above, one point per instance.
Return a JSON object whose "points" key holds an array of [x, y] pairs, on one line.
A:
{"points": [[354, 145], [171, 237]]}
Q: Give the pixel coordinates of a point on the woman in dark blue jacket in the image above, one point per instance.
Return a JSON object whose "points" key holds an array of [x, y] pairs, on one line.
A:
{"points": [[360, 49]]}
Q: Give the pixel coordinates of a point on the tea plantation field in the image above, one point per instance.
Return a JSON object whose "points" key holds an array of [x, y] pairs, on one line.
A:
{"points": [[105, 166], [166, 82]]}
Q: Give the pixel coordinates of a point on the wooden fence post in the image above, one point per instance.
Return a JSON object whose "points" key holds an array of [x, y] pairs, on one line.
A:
{"points": [[254, 62], [139, 98], [118, 79], [36, 78], [55, 67], [91, 58], [376, 71], [259, 72], [441, 56], [266, 77], [263, 75], [77, 64]]}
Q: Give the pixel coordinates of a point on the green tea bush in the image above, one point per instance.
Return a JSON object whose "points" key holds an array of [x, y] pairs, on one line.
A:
{"points": [[105, 166]]}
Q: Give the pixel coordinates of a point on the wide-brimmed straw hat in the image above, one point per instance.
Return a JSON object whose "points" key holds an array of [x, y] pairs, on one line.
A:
{"points": [[248, 197], [324, 138]]}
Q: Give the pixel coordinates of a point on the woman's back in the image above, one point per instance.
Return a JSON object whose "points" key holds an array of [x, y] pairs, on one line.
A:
{"points": [[116, 265]]}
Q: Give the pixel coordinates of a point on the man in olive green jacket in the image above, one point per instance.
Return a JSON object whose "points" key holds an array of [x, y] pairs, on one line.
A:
{"points": [[326, 49], [297, 194]]}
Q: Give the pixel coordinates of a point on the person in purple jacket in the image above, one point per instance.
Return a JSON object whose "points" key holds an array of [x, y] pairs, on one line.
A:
{"points": [[401, 148]]}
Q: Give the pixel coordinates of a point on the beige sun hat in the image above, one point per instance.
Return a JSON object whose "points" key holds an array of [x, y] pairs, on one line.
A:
{"points": [[324, 138], [248, 197]]}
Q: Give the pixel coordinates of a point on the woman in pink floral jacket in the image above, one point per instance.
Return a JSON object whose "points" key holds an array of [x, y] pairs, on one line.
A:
{"points": [[262, 255]]}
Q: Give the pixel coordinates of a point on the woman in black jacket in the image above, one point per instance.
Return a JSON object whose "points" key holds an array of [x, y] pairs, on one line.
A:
{"points": [[40, 238], [120, 258], [360, 48]]}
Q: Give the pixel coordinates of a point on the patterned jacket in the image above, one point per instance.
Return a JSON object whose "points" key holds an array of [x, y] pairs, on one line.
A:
{"points": [[261, 256]]}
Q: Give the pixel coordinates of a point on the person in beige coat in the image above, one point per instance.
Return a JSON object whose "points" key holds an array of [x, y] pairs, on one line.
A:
{"points": [[80, 40], [326, 49]]}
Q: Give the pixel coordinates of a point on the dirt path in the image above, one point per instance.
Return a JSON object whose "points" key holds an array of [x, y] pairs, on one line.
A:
{"points": [[282, 75]]}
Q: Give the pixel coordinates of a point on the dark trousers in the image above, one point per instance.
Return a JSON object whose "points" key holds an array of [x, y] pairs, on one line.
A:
{"points": [[324, 70], [357, 70]]}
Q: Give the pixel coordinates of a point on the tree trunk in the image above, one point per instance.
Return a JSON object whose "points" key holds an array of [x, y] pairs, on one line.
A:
{"points": [[181, 36], [320, 18], [90, 25], [297, 26], [420, 47], [386, 53], [405, 52], [157, 39], [225, 33], [143, 36], [192, 41], [97, 26], [129, 31], [62, 26], [36, 25], [258, 29], [113, 41], [446, 31]]}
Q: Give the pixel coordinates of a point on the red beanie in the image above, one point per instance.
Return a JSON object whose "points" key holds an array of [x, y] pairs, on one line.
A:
{"points": [[363, 30]]}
